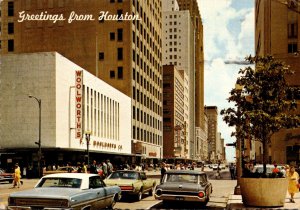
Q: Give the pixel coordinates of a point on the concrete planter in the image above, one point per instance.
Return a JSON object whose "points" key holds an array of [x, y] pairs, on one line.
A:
{"points": [[264, 192]]}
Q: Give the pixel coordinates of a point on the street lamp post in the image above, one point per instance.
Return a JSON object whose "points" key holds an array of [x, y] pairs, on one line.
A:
{"points": [[87, 138], [40, 128]]}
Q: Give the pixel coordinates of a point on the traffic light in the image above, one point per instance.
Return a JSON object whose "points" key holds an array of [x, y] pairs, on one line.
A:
{"points": [[231, 144]]}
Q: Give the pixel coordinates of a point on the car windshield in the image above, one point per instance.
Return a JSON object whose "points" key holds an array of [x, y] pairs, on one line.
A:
{"points": [[124, 175], [189, 178], [60, 182]]}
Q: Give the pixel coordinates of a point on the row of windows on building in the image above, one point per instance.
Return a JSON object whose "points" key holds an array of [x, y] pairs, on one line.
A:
{"points": [[146, 85], [156, 78], [156, 11], [146, 118], [146, 101], [143, 45], [146, 136], [102, 114]]}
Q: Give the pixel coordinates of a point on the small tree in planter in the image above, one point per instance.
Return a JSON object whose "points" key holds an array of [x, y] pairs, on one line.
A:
{"points": [[264, 104]]}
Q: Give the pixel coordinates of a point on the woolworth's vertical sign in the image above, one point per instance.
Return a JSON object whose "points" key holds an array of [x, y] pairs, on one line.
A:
{"points": [[78, 103]]}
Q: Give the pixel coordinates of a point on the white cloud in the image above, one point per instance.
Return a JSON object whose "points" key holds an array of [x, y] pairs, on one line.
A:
{"points": [[228, 34]]}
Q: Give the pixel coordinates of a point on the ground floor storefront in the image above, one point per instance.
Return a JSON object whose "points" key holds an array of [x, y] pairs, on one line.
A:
{"points": [[55, 157]]}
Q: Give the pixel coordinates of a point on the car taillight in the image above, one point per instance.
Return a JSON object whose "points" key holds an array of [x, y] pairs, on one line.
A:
{"points": [[201, 194], [11, 201], [126, 187]]}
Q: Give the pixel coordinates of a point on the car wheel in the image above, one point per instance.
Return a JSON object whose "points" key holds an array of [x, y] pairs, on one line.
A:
{"points": [[151, 191], [114, 201], [140, 195]]}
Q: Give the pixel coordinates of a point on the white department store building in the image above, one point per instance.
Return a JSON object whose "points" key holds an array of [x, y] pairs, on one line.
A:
{"points": [[103, 111]]}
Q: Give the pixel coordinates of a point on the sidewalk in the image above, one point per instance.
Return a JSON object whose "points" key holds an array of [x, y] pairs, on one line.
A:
{"points": [[235, 202]]}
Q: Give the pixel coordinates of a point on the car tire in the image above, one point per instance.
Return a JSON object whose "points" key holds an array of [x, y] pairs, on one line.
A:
{"points": [[114, 201], [151, 191], [139, 195]]}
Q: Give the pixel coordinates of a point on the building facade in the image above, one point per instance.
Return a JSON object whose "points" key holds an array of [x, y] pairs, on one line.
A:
{"points": [[126, 54], [199, 119], [175, 129], [277, 34], [68, 110], [212, 116]]}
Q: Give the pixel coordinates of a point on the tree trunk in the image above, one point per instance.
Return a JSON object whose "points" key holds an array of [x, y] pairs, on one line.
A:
{"points": [[265, 142]]}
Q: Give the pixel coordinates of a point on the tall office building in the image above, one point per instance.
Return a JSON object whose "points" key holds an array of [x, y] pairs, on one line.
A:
{"points": [[212, 116], [124, 53], [174, 129], [178, 50], [192, 6], [277, 33]]}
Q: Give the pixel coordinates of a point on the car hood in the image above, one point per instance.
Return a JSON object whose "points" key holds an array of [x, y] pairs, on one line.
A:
{"points": [[120, 182], [179, 186], [47, 192]]}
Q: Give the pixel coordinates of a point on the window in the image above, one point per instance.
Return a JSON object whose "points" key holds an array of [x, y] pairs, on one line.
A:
{"points": [[112, 1], [120, 1], [10, 45], [112, 74], [120, 72], [10, 9], [119, 14], [292, 47], [292, 30], [120, 34], [101, 55], [120, 53], [112, 36], [10, 28]]}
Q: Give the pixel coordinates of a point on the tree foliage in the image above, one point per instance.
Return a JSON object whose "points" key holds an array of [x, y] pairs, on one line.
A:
{"points": [[263, 104]]}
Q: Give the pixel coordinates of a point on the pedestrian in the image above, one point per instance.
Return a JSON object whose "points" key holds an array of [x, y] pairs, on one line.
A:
{"points": [[110, 167], [232, 171], [275, 169], [162, 171], [104, 169], [79, 168], [293, 179], [84, 168], [17, 176], [93, 168]]}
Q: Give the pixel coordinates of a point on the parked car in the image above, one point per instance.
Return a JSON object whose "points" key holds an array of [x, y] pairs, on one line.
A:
{"points": [[184, 186], [62, 169], [215, 167], [131, 182], [76, 191], [6, 177]]}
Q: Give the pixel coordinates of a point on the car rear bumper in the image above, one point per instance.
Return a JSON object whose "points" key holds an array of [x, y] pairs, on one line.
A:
{"points": [[188, 198], [29, 208]]}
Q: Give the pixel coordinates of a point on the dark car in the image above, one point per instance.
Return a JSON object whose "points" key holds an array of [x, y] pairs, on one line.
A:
{"points": [[6, 177], [184, 186]]}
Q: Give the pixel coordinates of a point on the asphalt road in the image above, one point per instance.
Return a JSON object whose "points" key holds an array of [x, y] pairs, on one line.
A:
{"points": [[221, 191]]}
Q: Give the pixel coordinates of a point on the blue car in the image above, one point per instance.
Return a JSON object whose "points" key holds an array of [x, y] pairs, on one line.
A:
{"points": [[66, 191]]}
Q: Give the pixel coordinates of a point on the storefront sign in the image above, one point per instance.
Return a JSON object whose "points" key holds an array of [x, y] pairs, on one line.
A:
{"points": [[152, 154], [78, 104]]}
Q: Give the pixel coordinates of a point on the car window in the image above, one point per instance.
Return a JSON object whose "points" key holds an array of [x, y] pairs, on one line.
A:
{"points": [[124, 175], [190, 178], [60, 182], [95, 182], [203, 178]]}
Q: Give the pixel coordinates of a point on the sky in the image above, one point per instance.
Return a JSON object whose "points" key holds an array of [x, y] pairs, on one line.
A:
{"points": [[228, 27]]}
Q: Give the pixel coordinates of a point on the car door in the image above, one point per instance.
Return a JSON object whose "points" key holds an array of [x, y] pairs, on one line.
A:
{"points": [[101, 196], [146, 182]]}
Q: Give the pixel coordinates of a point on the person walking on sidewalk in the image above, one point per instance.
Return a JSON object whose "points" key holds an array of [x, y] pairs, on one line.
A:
{"points": [[293, 178], [17, 176], [162, 171]]}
